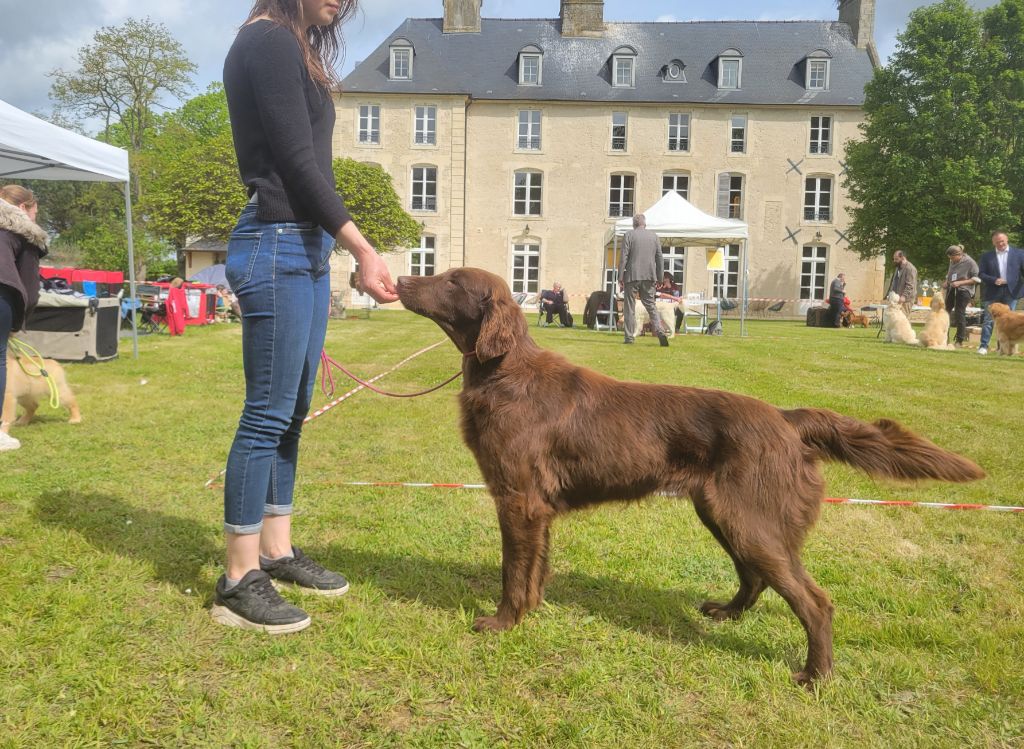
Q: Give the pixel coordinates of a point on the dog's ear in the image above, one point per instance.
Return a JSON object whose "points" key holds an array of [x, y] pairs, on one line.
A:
{"points": [[500, 326]]}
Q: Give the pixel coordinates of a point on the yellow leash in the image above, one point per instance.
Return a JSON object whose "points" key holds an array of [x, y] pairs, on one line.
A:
{"points": [[21, 350]]}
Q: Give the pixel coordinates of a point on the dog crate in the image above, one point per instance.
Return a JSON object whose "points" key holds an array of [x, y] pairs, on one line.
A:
{"points": [[74, 328]]}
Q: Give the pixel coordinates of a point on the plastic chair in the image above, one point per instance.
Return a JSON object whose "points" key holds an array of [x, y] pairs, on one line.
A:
{"points": [[696, 312], [777, 307]]}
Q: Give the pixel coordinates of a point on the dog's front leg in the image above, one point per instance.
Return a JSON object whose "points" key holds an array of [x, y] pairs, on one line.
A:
{"points": [[524, 561]]}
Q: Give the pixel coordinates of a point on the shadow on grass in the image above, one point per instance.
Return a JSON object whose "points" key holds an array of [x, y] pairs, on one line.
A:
{"points": [[179, 548]]}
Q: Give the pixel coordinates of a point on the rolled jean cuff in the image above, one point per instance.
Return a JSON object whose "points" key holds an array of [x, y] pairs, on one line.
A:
{"points": [[275, 510], [243, 530]]}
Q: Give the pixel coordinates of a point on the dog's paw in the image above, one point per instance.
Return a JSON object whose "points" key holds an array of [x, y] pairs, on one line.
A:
{"points": [[719, 611], [491, 624]]}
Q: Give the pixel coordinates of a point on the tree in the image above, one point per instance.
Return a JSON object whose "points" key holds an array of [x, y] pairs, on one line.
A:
{"points": [[191, 173], [933, 166], [123, 76], [374, 206]]}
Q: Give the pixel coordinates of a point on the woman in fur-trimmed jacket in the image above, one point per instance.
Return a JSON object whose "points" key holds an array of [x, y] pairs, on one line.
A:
{"points": [[22, 244]]}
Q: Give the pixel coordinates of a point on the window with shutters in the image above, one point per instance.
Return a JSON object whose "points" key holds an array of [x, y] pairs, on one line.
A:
{"points": [[730, 195]]}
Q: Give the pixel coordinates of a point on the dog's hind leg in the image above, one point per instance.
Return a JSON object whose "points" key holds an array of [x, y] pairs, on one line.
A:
{"points": [[524, 560], [30, 404], [67, 399], [751, 584]]}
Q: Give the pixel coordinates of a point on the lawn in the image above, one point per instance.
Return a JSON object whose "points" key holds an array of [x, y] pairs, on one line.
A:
{"points": [[110, 547]]}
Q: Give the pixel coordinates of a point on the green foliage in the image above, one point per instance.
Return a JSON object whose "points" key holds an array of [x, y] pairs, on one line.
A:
{"points": [[123, 75], [190, 173], [935, 165], [375, 208]]}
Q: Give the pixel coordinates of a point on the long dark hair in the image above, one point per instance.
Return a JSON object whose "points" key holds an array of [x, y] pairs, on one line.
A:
{"points": [[321, 45]]}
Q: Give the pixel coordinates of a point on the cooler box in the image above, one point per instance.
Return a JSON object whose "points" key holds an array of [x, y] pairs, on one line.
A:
{"points": [[70, 328]]}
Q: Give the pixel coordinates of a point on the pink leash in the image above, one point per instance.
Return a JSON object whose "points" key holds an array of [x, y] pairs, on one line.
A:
{"points": [[327, 379]]}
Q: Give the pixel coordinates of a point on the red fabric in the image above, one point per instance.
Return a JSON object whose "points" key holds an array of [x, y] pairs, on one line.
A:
{"points": [[177, 307]]}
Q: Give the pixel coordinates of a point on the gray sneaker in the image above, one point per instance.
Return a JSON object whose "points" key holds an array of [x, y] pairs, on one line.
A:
{"points": [[255, 604], [302, 573]]}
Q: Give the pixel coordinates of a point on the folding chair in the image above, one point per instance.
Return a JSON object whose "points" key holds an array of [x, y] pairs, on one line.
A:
{"points": [[695, 315]]}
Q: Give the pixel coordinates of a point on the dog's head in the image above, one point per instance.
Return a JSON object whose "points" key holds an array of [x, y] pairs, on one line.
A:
{"points": [[892, 297], [937, 304], [998, 310], [475, 308]]}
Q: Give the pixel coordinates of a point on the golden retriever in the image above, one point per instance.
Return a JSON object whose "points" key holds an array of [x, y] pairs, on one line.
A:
{"points": [[1009, 327], [551, 437], [27, 387], [936, 328], [895, 323]]}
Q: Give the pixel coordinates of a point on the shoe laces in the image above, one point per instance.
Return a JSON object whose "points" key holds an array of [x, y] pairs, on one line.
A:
{"points": [[301, 560], [265, 589]]}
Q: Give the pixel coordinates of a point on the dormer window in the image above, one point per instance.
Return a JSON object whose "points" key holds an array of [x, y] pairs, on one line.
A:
{"points": [[730, 69], [530, 66], [818, 64], [624, 67], [401, 60], [674, 72]]}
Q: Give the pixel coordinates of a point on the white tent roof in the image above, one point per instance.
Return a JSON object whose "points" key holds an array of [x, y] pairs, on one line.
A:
{"points": [[674, 216], [31, 148]]}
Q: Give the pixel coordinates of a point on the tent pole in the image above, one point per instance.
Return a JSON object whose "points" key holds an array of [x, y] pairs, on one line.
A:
{"points": [[612, 323], [131, 268], [746, 288]]}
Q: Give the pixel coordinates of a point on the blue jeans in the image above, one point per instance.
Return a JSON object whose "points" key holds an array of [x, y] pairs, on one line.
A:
{"points": [[7, 297], [280, 273], [987, 323]]}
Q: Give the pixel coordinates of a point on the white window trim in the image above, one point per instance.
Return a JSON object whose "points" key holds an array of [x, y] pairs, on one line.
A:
{"points": [[746, 134], [817, 206], [359, 126], [611, 134], [689, 132], [412, 188], [415, 122], [828, 74], [831, 134], [815, 262], [392, 58], [539, 135], [676, 173], [739, 72], [423, 249], [513, 254], [540, 68], [609, 194], [529, 186], [632, 71]]}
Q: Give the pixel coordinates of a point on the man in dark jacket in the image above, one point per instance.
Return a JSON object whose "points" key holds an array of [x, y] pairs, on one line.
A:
{"points": [[1001, 270], [837, 300]]}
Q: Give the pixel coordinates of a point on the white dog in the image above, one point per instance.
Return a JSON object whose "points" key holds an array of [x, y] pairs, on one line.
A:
{"points": [[896, 325], [936, 328]]}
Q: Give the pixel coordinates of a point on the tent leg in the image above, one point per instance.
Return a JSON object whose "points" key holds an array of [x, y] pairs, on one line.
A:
{"points": [[131, 268], [746, 287]]}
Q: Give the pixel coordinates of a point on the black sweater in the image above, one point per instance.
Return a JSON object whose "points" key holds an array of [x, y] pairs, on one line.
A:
{"points": [[282, 123]]}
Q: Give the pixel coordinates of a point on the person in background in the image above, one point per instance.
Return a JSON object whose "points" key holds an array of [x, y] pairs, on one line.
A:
{"points": [[177, 308], [959, 285], [836, 299], [279, 77], [1001, 271], [554, 302], [641, 263], [22, 244], [904, 281]]}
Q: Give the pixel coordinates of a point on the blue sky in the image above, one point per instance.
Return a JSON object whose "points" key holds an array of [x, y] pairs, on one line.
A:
{"points": [[37, 36]]}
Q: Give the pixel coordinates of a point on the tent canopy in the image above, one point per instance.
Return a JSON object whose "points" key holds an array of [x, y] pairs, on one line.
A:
{"points": [[213, 275], [675, 217], [31, 148]]}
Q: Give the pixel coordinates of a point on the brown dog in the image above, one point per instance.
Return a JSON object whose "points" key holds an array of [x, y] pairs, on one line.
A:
{"points": [[1009, 328], [27, 387], [856, 318], [551, 437]]}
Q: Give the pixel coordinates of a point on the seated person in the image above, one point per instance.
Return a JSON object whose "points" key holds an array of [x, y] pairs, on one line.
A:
{"points": [[668, 290], [227, 304], [554, 301]]}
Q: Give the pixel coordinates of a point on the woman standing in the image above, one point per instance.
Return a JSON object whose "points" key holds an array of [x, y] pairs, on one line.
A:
{"points": [[22, 244], [278, 78]]}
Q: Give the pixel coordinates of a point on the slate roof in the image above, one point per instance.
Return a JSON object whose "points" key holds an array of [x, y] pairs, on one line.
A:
{"points": [[484, 65]]}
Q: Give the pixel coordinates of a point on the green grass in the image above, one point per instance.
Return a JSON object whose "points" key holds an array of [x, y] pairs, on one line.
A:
{"points": [[110, 548]]}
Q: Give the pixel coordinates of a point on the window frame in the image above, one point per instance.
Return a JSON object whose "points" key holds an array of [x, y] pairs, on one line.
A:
{"points": [[722, 281], [431, 131], [425, 197], [809, 277], [814, 147], [370, 117], [529, 251], [531, 55], [675, 175], [534, 179], [679, 126], [817, 211], [811, 63], [417, 256], [674, 257], [529, 137], [744, 129], [732, 209], [617, 60], [625, 132], [622, 190], [400, 46], [730, 57]]}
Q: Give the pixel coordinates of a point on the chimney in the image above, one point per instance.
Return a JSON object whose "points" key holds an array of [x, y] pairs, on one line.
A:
{"points": [[461, 16], [859, 15], [582, 18]]}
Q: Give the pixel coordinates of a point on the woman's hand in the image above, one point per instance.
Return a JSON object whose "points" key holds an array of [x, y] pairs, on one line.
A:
{"points": [[374, 277]]}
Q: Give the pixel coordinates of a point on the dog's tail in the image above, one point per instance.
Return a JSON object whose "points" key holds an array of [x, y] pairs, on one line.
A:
{"points": [[884, 449]]}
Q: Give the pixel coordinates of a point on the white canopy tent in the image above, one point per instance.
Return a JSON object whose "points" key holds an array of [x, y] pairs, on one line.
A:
{"points": [[31, 148], [674, 217]]}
